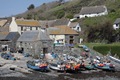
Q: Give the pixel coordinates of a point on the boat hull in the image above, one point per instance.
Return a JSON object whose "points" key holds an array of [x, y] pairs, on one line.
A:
{"points": [[105, 67], [90, 67], [37, 68], [56, 68]]}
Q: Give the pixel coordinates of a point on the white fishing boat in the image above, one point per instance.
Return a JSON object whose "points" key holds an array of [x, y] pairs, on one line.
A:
{"points": [[58, 66]]}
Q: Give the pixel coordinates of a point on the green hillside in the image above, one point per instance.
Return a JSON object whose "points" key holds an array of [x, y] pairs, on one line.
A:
{"points": [[53, 9]]}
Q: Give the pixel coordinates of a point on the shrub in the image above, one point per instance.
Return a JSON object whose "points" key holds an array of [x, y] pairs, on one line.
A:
{"points": [[60, 14], [70, 16]]}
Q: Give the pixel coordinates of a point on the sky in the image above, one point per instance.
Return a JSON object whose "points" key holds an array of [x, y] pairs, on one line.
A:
{"points": [[13, 7]]}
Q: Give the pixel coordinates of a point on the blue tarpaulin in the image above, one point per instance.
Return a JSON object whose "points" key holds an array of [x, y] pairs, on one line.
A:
{"points": [[54, 55]]}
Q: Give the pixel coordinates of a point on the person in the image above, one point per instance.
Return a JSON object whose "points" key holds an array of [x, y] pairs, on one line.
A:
{"points": [[82, 63]]}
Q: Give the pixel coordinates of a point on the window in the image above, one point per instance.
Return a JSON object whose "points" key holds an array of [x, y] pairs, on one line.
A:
{"points": [[44, 42], [77, 28], [20, 43], [36, 28], [86, 16], [25, 29], [25, 44], [57, 41], [78, 17], [30, 28], [117, 24], [21, 28], [71, 36]]}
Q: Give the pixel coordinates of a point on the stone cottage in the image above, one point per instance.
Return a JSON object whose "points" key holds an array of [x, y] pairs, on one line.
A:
{"points": [[35, 42]]}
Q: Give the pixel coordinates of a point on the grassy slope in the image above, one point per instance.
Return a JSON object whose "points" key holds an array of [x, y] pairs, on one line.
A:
{"points": [[105, 48], [49, 9]]}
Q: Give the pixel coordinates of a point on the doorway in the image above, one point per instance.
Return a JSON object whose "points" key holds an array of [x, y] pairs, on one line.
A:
{"points": [[45, 50], [71, 41]]}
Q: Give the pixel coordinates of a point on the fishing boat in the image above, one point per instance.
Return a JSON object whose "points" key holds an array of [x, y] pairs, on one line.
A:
{"points": [[57, 66], [114, 59], [8, 56], [105, 66], [37, 65], [89, 67], [72, 67]]}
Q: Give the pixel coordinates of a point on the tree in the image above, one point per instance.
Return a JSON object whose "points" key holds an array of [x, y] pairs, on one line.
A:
{"points": [[101, 33], [31, 7]]}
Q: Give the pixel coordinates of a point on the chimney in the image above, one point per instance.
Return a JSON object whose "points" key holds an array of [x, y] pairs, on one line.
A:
{"points": [[13, 18], [46, 29]]}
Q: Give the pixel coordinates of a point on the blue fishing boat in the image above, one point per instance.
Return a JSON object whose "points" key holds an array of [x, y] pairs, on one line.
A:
{"points": [[106, 67], [8, 56], [37, 65], [89, 67]]}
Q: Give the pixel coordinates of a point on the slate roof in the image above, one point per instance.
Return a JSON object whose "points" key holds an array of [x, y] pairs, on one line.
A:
{"points": [[33, 36], [61, 30], [45, 23], [9, 36], [13, 36], [92, 9], [31, 23], [117, 21], [59, 22]]}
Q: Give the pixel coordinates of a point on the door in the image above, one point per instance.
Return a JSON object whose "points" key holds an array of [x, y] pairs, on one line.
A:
{"points": [[71, 42], [45, 50]]}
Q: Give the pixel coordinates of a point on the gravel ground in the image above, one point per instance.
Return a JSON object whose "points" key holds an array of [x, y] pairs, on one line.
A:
{"points": [[21, 72], [67, 76]]}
